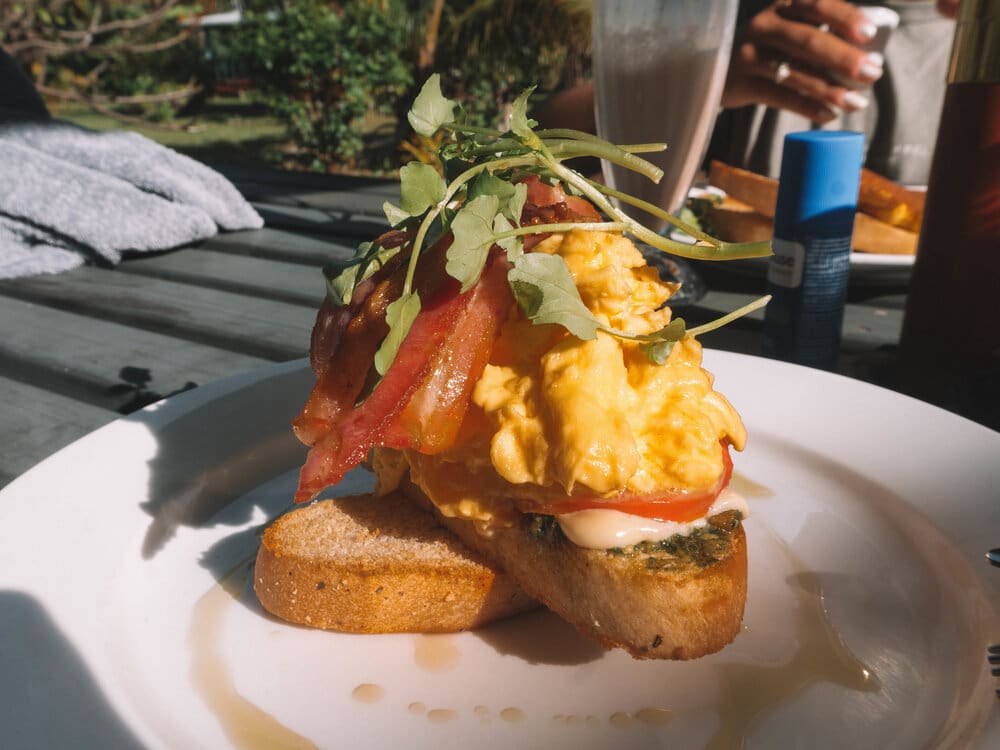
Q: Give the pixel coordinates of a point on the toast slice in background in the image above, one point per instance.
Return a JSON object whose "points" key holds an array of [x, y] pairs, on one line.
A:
{"points": [[366, 564], [887, 221]]}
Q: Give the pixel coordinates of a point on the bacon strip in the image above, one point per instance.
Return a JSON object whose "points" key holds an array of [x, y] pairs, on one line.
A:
{"points": [[421, 401]]}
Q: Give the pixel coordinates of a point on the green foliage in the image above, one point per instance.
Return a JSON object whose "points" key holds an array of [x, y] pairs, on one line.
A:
{"points": [[334, 69], [123, 58], [490, 51], [327, 67]]}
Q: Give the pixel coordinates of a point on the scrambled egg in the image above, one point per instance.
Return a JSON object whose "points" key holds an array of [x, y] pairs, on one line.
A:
{"points": [[598, 415]]}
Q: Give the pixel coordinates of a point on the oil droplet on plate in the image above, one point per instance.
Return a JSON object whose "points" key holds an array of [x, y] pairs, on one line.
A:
{"points": [[436, 653], [368, 693], [655, 716], [752, 692], [747, 487], [512, 715], [441, 715], [620, 719], [246, 724]]}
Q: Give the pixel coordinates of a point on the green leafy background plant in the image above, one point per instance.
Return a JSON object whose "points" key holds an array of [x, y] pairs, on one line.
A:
{"points": [[340, 74]]}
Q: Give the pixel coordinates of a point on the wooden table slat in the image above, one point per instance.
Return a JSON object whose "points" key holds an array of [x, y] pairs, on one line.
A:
{"points": [[260, 277], [257, 327], [317, 222], [277, 244], [102, 363], [35, 423]]}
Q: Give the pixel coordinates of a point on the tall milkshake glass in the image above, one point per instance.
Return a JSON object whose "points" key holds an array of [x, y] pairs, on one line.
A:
{"points": [[659, 70]]}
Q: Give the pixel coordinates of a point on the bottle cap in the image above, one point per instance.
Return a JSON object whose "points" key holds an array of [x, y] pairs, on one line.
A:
{"points": [[820, 177]]}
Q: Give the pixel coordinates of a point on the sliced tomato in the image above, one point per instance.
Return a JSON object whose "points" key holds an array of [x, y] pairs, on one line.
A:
{"points": [[674, 505]]}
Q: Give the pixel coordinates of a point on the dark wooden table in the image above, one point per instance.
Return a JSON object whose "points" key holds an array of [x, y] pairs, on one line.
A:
{"points": [[79, 349]]}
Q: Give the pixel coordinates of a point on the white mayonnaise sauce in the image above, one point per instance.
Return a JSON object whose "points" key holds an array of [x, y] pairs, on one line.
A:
{"points": [[604, 529]]}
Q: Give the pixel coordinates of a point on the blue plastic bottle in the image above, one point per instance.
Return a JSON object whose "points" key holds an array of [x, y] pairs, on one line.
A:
{"points": [[813, 224]]}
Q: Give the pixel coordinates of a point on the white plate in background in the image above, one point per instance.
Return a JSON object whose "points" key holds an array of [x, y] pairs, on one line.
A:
{"points": [[870, 603]]}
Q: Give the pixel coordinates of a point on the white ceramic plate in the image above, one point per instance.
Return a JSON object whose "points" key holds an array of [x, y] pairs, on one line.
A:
{"points": [[127, 620]]}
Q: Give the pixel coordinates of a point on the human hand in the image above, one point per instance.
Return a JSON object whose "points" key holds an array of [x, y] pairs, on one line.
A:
{"points": [[790, 55]]}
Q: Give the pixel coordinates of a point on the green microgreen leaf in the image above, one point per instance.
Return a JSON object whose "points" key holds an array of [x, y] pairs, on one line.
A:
{"points": [[399, 315], [512, 245], [485, 183], [544, 289], [473, 236], [520, 123], [431, 109], [515, 204], [480, 201], [658, 349], [421, 187], [394, 214], [343, 276]]}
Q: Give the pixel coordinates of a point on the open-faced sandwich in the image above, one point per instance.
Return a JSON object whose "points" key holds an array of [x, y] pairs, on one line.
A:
{"points": [[505, 358]]}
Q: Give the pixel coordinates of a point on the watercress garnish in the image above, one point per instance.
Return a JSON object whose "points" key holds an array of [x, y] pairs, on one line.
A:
{"points": [[480, 199]]}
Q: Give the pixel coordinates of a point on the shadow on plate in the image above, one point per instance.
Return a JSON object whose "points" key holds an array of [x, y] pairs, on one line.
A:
{"points": [[540, 637], [48, 698]]}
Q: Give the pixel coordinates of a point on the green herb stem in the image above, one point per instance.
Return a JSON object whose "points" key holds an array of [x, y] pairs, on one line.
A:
{"points": [[567, 226], [579, 135], [568, 149], [730, 317]]}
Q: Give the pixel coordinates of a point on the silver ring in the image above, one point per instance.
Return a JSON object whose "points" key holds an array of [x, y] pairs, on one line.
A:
{"points": [[781, 72]]}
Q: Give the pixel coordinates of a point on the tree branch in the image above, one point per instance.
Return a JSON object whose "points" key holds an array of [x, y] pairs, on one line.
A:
{"points": [[121, 101], [123, 24], [100, 50]]}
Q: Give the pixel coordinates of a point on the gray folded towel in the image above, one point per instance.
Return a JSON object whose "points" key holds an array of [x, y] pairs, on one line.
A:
{"points": [[69, 195]]}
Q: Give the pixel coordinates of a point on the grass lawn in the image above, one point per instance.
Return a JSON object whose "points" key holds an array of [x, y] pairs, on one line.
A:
{"points": [[225, 131]]}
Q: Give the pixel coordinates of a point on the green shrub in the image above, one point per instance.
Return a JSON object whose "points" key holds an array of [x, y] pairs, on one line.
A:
{"points": [[131, 59], [489, 51], [325, 67]]}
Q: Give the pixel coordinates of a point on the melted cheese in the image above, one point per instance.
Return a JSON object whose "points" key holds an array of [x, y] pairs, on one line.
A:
{"points": [[606, 529]]}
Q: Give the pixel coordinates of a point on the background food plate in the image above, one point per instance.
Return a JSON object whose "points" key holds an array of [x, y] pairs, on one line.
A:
{"points": [[866, 269], [128, 621], [878, 268]]}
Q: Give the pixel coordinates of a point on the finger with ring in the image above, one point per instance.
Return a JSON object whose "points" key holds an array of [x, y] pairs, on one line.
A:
{"points": [[780, 71]]}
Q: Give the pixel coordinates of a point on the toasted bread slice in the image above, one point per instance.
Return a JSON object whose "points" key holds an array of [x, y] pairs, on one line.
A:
{"points": [[756, 190], [735, 221], [874, 236], [890, 202], [367, 564], [676, 600], [888, 219]]}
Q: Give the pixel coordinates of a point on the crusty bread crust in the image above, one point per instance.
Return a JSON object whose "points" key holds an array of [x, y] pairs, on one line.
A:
{"points": [[377, 565], [887, 221], [641, 602]]}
